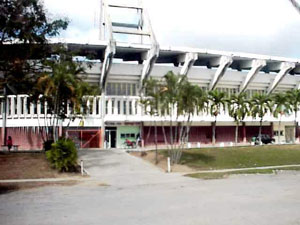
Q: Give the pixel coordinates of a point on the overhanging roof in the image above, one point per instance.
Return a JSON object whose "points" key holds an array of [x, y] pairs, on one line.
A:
{"points": [[135, 52]]}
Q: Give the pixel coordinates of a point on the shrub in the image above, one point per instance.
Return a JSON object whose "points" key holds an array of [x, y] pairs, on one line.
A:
{"points": [[63, 155]]}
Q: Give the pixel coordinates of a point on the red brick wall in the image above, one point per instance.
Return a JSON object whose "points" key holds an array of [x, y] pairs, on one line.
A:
{"points": [[27, 138]]}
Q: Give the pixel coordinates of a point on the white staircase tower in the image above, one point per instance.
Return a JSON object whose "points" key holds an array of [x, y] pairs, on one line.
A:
{"points": [[125, 21]]}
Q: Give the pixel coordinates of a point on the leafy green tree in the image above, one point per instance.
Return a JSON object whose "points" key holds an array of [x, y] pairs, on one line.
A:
{"points": [[293, 97], [282, 107], [217, 102], [24, 30], [238, 109], [260, 105]]}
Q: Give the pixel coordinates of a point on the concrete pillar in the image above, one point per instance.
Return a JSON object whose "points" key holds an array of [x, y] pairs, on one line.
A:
{"points": [[19, 105], [94, 106]]}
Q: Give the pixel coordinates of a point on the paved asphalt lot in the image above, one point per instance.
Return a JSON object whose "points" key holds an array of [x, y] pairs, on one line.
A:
{"points": [[140, 194]]}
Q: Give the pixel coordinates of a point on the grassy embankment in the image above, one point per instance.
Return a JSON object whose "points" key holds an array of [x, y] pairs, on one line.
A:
{"points": [[239, 157]]}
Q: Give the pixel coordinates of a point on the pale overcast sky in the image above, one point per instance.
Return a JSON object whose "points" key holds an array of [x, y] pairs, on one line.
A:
{"points": [[270, 27]]}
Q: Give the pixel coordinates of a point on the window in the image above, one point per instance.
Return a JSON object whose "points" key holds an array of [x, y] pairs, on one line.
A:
{"points": [[276, 132], [42, 104], [128, 135], [113, 107], [97, 106], [28, 106], [124, 107], [121, 89], [130, 107], [106, 107], [119, 107]]}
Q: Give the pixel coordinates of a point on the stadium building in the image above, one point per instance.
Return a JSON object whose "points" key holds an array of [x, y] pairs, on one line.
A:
{"points": [[128, 54]]}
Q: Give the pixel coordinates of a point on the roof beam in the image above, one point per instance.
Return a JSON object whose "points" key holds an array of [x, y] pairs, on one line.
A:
{"points": [[107, 62], [223, 62], [285, 68], [152, 55], [188, 59], [257, 65]]}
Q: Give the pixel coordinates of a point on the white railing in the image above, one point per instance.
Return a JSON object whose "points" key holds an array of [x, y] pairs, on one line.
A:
{"points": [[116, 108], [19, 107]]}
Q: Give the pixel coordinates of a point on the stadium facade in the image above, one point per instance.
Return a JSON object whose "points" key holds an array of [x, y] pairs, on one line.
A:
{"points": [[123, 67]]}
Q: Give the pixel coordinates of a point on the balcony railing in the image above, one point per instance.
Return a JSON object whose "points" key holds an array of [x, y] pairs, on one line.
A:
{"points": [[116, 108]]}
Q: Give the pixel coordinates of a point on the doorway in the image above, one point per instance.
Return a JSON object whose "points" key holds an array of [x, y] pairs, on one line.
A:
{"points": [[111, 137], [289, 134]]}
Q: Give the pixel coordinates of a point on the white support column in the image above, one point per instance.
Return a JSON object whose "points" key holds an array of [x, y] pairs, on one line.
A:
{"points": [[94, 105], [12, 105], [189, 60], [121, 107], [134, 101], [127, 106], [223, 62], [99, 106], [285, 68], [19, 105], [46, 108], [31, 109], [25, 106], [38, 108], [116, 106], [256, 66], [139, 109], [88, 105], [109, 107]]}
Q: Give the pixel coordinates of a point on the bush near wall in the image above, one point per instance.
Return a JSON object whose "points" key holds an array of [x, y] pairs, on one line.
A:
{"points": [[63, 155]]}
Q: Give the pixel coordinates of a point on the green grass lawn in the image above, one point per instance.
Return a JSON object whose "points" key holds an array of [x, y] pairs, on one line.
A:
{"points": [[240, 157]]}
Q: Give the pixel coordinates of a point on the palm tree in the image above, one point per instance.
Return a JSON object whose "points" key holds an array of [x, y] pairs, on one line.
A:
{"points": [[260, 105], [238, 106], [59, 87], [293, 97], [151, 102], [282, 107], [217, 102], [169, 98], [188, 98]]}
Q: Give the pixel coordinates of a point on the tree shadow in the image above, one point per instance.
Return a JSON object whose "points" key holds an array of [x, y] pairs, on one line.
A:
{"points": [[192, 158]]}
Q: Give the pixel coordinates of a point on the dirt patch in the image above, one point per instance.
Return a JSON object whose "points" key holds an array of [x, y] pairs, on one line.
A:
{"points": [[162, 161], [27, 166], [11, 187]]}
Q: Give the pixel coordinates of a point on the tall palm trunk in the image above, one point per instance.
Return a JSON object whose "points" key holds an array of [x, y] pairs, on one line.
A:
{"points": [[279, 128], [236, 132], [214, 132], [259, 133]]}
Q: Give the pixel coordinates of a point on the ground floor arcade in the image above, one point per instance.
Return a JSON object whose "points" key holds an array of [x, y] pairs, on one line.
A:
{"points": [[116, 134]]}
